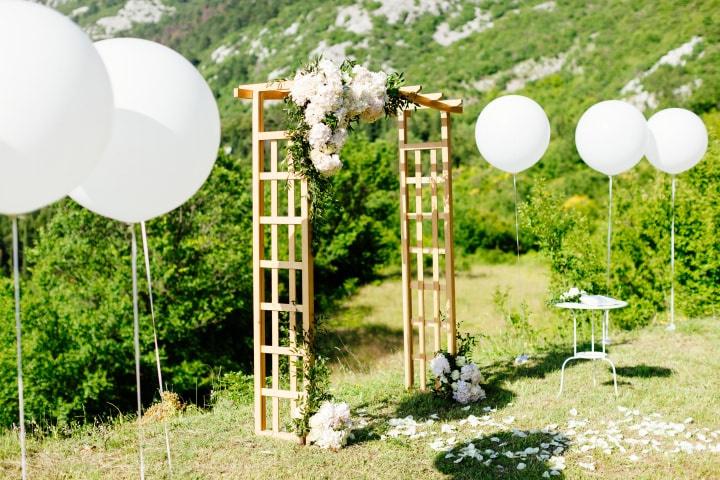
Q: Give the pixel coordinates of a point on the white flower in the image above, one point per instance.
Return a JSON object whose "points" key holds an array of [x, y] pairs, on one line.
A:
{"points": [[338, 138], [467, 371], [314, 114], [319, 135], [467, 393], [325, 163], [439, 365], [304, 86], [460, 360], [455, 374], [330, 426]]}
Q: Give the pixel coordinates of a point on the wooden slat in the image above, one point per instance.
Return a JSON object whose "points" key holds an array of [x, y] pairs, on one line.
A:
{"points": [[448, 236], [274, 287], [424, 146], [273, 135], [258, 248], [277, 393], [420, 264], [283, 176], [411, 89], [279, 220], [270, 90], [405, 252], [292, 290], [427, 250], [418, 323], [280, 90], [428, 285], [435, 254], [280, 307], [283, 265], [425, 180], [449, 106], [425, 215], [288, 351], [308, 296]]}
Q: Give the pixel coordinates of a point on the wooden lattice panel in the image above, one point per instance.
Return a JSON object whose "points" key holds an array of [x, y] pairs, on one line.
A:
{"points": [[283, 284], [428, 299]]}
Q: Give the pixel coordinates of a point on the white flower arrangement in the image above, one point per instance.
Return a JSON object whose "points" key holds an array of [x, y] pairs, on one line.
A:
{"points": [[456, 376], [324, 101], [331, 426], [572, 295], [333, 96]]}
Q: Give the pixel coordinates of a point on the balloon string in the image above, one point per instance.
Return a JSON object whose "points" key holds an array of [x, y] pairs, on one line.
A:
{"points": [[146, 254], [672, 256], [136, 340], [517, 224], [609, 232], [18, 333]]}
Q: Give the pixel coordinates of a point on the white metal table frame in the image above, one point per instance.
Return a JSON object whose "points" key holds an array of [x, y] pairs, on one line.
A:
{"points": [[592, 354]]}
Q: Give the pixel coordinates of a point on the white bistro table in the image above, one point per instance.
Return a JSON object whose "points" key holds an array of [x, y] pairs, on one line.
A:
{"points": [[605, 305]]}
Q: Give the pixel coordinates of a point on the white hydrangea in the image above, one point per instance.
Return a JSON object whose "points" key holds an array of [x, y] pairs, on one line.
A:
{"points": [[471, 373], [314, 114], [325, 163], [304, 87], [338, 139], [331, 426], [439, 365], [460, 360], [467, 393], [319, 135], [455, 375], [328, 92], [367, 93]]}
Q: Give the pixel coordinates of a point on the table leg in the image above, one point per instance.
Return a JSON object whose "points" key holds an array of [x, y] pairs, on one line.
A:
{"points": [[574, 333], [605, 329]]}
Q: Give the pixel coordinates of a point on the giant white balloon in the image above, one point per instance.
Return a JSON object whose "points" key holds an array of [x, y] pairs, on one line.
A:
{"points": [[677, 140], [166, 134], [55, 106], [512, 133], [610, 136]]}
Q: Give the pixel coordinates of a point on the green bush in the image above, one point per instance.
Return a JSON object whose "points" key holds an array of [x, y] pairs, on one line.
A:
{"points": [[573, 238]]}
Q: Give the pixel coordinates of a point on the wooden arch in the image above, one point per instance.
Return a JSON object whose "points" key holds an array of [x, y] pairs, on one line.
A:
{"points": [[281, 215]]}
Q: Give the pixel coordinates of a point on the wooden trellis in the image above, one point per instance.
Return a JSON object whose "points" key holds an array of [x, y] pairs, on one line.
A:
{"points": [[286, 308], [268, 307], [433, 182]]}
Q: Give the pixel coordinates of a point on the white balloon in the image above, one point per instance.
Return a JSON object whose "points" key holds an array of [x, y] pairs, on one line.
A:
{"points": [[610, 136], [166, 135], [55, 106], [512, 133], [677, 140]]}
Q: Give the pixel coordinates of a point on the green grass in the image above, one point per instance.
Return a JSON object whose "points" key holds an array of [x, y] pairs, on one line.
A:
{"points": [[672, 374]]}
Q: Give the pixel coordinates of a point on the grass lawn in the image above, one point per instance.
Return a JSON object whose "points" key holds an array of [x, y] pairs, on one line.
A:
{"points": [[669, 400]]}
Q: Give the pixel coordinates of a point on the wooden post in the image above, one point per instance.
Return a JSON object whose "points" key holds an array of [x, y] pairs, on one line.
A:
{"points": [[258, 162], [405, 247], [449, 242]]}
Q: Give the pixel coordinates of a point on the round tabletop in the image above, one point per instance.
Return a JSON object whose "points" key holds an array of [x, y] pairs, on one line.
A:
{"points": [[584, 306]]}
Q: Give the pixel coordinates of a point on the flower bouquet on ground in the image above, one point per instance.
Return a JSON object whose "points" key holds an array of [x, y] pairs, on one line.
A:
{"points": [[331, 426], [457, 377]]}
